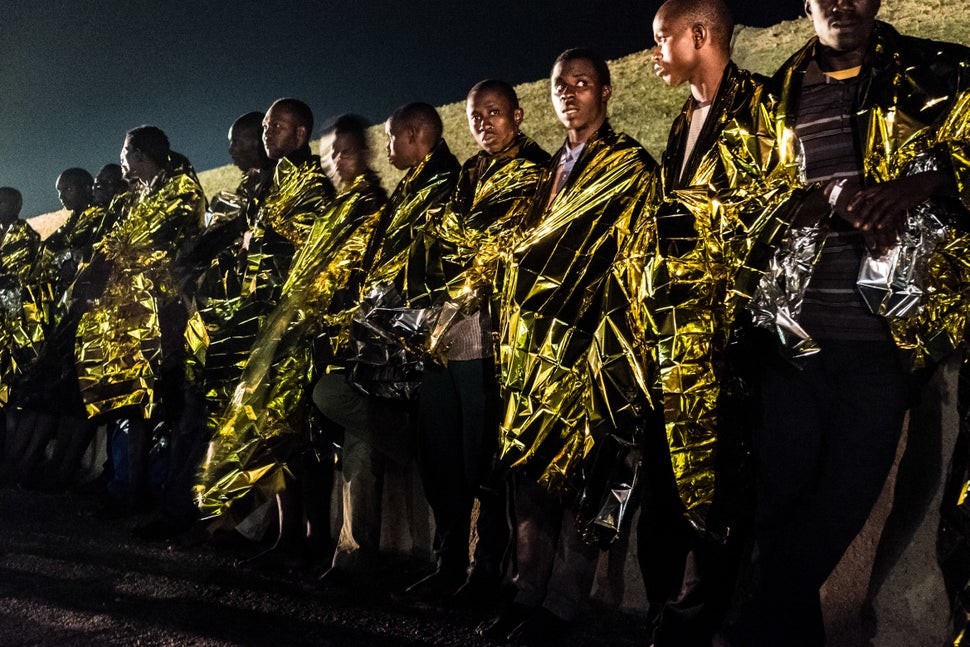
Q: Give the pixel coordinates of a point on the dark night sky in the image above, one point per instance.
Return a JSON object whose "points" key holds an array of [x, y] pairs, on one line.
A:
{"points": [[74, 76]]}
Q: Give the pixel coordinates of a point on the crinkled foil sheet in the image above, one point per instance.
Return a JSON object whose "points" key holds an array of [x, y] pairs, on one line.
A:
{"points": [[243, 283], [684, 301], [118, 345], [571, 373], [472, 241], [265, 421], [20, 319]]}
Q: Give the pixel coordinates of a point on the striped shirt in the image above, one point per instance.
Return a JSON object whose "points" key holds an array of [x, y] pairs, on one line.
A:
{"points": [[833, 308]]}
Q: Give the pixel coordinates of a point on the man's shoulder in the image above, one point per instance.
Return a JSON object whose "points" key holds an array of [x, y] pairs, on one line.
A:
{"points": [[304, 177], [741, 92], [531, 151], [749, 81], [627, 148], [442, 160], [184, 185], [917, 50]]}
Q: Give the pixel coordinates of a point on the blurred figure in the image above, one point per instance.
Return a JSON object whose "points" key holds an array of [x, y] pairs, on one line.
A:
{"points": [[242, 263], [47, 392], [108, 183], [376, 428], [265, 443]]}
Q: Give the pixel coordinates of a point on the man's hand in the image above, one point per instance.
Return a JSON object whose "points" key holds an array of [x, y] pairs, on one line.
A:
{"points": [[880, 210]]}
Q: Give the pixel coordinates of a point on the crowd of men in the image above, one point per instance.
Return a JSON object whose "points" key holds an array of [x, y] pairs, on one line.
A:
{"points": [[729, 338]]}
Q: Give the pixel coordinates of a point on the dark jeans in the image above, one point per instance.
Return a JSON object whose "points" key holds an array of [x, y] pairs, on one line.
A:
{"points": [[457, 439], [827, 441]]}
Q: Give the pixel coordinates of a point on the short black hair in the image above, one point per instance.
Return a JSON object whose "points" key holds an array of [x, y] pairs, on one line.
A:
{"points": [[251, 122], [349, 124], [585, 54], [713, 14], [151, 141], [300, 110], [13, 194], [419, 115], [76, 176], [495, 85], [112, 172]]}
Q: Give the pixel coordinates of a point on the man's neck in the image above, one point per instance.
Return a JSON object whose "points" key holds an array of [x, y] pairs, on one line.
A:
{"points": [[830, 60], [298, 156], [705, 82], [576, 137]]}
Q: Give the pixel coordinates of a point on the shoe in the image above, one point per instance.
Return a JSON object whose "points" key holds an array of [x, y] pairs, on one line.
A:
{"points": [[541, 628], [477, 591], [437, 586], [336, 578], [276, 559], [158, 529], [196, 535], [502, 625]]}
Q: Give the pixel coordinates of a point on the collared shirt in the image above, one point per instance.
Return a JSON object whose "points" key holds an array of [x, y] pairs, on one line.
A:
{"points": [[567, 162]]}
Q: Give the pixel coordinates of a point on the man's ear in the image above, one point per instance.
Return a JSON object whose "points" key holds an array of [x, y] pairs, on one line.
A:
{"points": [[517, 115], [303, 134], [606, 93], [808, 9], [698, 33]]}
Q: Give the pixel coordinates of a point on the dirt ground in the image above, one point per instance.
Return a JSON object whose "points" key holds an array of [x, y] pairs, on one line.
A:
{"points": [[68, 577]]}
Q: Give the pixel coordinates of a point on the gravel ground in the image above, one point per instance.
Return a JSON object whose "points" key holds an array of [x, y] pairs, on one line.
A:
{"points": [[68, 577]]}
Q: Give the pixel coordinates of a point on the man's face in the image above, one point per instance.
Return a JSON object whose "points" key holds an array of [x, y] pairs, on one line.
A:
{"points": [[72, 195], [674, 58], [579, 96], [133, 163], [282, 135], [492, 119], [403, 149], [843, 25], [244, 148], [343, 158], [9, 208], [106, 186]]}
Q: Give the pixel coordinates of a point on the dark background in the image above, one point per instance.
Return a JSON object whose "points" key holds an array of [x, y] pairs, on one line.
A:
{"points": [[74, 76]]}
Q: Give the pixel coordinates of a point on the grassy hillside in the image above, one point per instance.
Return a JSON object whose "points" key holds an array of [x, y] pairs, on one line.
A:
{"points": [[642, 105]]}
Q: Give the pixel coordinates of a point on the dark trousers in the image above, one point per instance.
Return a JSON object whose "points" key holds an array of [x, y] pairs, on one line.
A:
{"points": [[375, 431], [825, 446], [457, 438], [555, 567], [689, 576], [187, 447]]}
